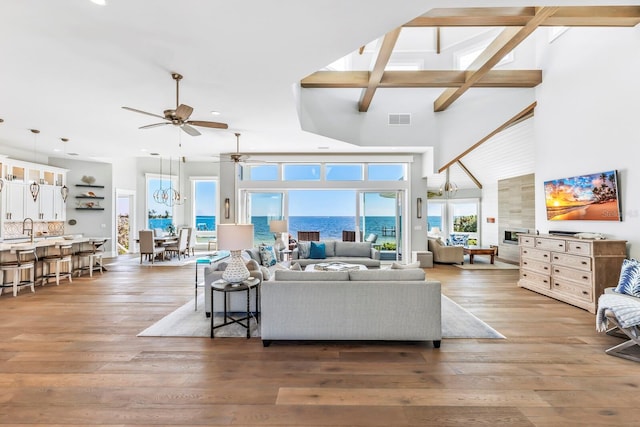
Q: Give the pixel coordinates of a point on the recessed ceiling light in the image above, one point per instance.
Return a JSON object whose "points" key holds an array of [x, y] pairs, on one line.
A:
{"points": [[323, 148], [155, 154], [73, 154], [99, 2], [215, 113], [57, 150]]}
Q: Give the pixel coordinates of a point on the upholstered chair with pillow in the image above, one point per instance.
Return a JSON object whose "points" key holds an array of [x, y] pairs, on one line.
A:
{"points": [[445, 254]]}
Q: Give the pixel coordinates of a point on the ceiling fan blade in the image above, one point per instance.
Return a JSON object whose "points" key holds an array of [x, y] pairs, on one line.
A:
{"points": [[215, 125], [143, 112], [154, 125], [190, 130], [183, 111]]}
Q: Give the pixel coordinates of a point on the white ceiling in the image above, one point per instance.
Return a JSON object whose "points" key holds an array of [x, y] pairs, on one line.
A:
{"points": [[69, 66]]}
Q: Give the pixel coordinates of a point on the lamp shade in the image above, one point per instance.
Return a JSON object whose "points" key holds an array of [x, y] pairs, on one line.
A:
{"points": [[278, 226], [234, 237]]}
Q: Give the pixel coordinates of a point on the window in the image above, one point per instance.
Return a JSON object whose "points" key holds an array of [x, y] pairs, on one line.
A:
{"points": [[205, 204], [261, 172], [386, 172], [464, 218], [293, 172], [159, 214], [344, 172], [435, 212]]}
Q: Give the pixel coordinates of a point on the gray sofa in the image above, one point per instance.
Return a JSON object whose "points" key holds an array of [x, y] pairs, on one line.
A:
{"points": [[337, 251], [391, 305]]}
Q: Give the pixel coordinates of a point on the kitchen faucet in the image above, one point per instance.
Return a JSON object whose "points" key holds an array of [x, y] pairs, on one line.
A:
{"points": [[29, 229]]}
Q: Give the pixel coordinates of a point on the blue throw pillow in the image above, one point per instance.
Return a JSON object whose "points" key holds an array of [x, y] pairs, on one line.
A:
{"points": [[268, 256], [317, 251], [629, 282]]}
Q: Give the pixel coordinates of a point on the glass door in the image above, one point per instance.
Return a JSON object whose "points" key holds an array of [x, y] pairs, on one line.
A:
{"points": [[260, 209], [380, 221]]}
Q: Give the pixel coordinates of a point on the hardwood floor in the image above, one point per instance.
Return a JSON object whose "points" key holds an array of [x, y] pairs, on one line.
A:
{"points": [[69, 355]]}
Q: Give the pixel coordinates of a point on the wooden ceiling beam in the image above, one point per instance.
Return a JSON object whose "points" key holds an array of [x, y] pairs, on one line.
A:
{"points": [[386, 50], [469, 174], [526, 112], [422, 79], [502, 45], [568, 16]]}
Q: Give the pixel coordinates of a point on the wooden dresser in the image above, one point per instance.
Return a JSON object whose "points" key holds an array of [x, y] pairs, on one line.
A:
{"points": [[572, 270]]}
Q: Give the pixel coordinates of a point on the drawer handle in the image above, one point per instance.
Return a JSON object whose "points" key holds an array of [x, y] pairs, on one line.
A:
{"points": [[578, 247], [556, 257], [585, 277], [560, 245], [584, 262], [556, 284], [545, 281], [585, 293], [546, 256], [545, 267], [556, 270]]}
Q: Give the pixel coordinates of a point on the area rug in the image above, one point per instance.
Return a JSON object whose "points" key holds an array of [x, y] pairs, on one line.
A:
{"points": [[484, 264], [187, 322]]}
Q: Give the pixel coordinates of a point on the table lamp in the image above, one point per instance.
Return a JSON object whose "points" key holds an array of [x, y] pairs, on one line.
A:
{"points": [[435, 231], [279, 227], [234, 238]]}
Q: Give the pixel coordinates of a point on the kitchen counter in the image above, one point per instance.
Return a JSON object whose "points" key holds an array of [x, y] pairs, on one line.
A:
{"points": [[12, 245]]}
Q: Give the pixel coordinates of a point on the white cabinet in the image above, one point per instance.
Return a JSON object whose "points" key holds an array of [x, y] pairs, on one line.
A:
{"points": [[13, 201]]}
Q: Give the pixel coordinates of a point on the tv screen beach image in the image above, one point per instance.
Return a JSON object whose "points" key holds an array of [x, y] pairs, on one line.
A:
{"points": [[585, 197]]}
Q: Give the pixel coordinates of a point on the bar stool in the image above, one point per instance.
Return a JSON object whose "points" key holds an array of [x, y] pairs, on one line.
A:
{"points": [[93, 256], [26, 259], [65, 252]]}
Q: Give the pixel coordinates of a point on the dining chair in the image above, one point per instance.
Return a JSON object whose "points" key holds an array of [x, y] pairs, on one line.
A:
{"points": [[148, 246], [180, 247]]}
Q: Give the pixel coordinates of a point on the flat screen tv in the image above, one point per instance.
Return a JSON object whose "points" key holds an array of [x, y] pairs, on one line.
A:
{"points": [[586, 197]]}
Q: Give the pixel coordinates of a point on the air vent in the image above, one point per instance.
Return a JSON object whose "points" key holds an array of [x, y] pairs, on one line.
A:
{"points": [[399, 119]]}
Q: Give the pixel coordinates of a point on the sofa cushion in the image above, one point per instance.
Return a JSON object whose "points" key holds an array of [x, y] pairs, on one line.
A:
{"points": [[330, 248], [391, 275], [296, 266], [303, 249], [318, 250], [254, 253], [311, 276], [629, 282], [353, 249]]}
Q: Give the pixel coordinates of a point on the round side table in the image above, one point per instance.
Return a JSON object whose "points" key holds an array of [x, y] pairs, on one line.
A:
{"points": [[226, 288]]}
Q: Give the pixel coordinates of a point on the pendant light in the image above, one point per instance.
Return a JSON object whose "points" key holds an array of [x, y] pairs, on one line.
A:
{"points": [[157, 195], [34, 188], [449, 189], [64, 190]]}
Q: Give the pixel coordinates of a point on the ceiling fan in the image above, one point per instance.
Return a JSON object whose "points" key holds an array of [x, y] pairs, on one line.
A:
{"points": [[180, 115]]}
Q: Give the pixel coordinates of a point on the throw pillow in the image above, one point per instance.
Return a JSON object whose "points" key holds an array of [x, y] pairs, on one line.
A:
{"points": [[629, 282], [252, 265], [398, 266], [296, 266], [303, 249], [266, 274], [222, 266], [268, 256], [317, 251]]}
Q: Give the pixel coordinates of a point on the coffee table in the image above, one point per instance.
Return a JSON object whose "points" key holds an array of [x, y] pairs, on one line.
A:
{"points": [[334, 266], [475, 250]]}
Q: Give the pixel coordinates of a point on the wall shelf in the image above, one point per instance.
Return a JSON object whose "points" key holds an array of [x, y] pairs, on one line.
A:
{"points": [[89, 197], [89, 209], [89, 186]]}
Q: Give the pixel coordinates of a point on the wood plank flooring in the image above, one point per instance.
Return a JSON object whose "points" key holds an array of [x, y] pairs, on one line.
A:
{"points": [[69, 355]]}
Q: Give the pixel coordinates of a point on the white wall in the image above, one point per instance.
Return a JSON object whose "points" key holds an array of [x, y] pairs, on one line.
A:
{"points": [[89, 223], [587, 121]]}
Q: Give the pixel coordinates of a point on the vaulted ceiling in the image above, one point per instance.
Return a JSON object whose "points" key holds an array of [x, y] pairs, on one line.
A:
{"points": [[69, 67]]}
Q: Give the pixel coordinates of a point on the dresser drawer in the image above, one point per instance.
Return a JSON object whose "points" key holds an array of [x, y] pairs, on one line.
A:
{"points": [[562, 272], [535, 266], [535, 280], [573, 289], [535, 254], [527, 241], [551, 244], [573, 261], [578, 248]]}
